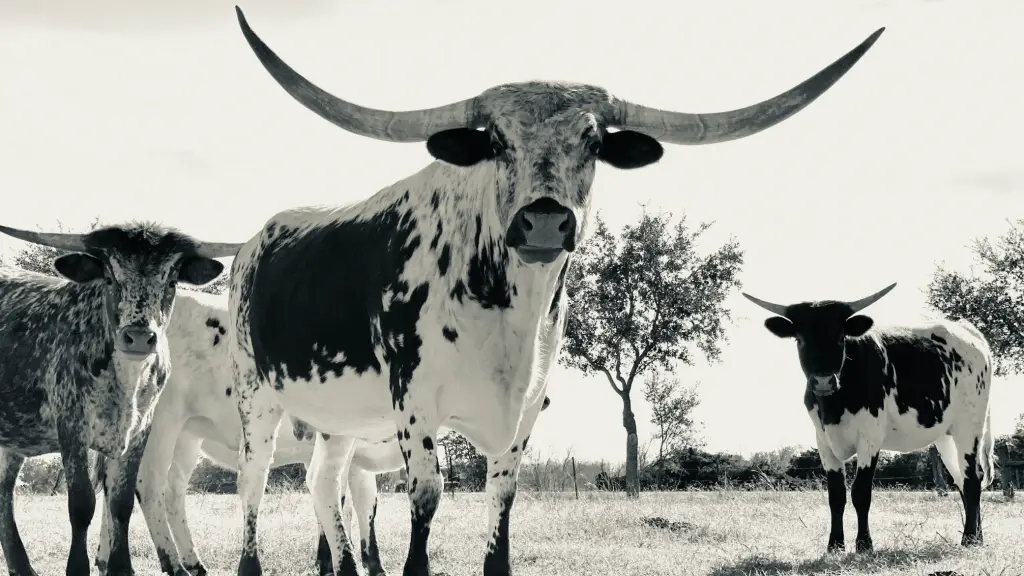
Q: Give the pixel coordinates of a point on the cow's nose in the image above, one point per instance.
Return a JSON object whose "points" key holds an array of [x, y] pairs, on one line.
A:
{"points": [[137, 340], [544, 225]]}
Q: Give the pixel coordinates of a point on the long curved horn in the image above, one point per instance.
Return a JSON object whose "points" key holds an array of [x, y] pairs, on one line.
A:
{"points": [[58, 240], [683, 128], [865, 302], [773, 308], [406, 126], [217, 249]]}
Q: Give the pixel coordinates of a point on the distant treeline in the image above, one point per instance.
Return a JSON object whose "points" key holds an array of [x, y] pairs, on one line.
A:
{"points": [[688, 468]]}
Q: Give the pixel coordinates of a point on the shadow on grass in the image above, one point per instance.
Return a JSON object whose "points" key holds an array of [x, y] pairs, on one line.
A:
{"points": [[881, 559]]}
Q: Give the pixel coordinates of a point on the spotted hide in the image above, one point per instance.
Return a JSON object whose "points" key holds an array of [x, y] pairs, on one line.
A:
{"points": [[196, 414], [427, 304], [84, 361], [891, 388]]}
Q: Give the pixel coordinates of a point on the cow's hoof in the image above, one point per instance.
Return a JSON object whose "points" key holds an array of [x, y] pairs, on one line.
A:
{"points": [[835, 546], [250, 566], [197, 569], [865, 545]]}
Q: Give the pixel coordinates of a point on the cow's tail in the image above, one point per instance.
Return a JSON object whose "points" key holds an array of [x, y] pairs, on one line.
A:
{"points": [[98, 473], [986, 453]]}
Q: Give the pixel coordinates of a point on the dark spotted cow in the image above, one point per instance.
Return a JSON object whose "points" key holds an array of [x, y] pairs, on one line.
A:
{"points": [[892, 388], [427, 304], [83, 363], [196, 414]]}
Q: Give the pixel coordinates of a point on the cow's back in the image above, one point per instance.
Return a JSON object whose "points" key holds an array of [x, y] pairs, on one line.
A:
{"points": [[31, 340], [941, 370]]}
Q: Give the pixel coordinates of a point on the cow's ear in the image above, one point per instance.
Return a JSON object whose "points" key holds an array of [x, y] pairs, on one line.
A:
{"points": [[627, 149], [780, 326], [78, 267], [198, 270], [858, 325], [461, 146]]}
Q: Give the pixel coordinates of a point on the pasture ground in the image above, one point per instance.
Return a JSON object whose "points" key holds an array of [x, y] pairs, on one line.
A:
{"points": [[717, 533]]}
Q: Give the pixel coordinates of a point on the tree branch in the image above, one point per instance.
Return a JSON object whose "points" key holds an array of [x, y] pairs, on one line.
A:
{"points": [[603, 370]]}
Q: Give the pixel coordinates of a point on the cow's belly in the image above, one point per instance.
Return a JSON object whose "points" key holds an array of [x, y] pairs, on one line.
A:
{"points": [[358, 406], [903, 433]]}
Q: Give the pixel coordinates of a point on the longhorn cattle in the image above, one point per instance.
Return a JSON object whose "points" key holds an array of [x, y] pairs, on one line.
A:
{"points": [[891, 388], [197, 415], [425, 305], [84, 359]]}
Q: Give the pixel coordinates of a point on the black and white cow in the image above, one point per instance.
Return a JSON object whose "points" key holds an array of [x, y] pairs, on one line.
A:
{"points": [[427, 304], [196, 414], [83, 363], [891, 388]]}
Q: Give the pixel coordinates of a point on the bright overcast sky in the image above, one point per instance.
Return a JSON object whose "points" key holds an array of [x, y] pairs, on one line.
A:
{"points": [[129, 109]]}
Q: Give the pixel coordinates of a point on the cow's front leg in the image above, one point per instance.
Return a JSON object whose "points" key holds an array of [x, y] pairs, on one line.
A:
{"points": [[417, 432], [81, 494], [860, 493], [327, 477], [363, 486], [119, 482], [502, 475], [835, 477], [261, 418]]}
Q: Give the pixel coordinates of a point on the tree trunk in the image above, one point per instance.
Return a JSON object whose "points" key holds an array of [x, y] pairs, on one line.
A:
{"points": [[632, 449], [1004, 472]]}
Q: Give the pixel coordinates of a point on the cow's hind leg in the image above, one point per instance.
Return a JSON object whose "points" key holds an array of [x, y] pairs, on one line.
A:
{"points": [[186, 457], [363, 486], [152, 485], [973, 474], [961, 460], [10, 539], [860, 493], [331, 457], [324, 560], [261, 418]]}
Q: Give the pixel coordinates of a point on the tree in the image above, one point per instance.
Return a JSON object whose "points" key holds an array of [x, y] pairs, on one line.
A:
{"points": [[671, 408], [991, 297], [647, 299], [37, 258], [462, 455]]}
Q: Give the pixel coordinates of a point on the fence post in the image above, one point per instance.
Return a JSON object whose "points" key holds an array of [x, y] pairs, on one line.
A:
{"points": [[1005, 469], [575, 484]]}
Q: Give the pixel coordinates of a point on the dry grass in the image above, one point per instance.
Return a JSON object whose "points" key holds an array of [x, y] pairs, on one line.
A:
{"points": [[723, 533]]}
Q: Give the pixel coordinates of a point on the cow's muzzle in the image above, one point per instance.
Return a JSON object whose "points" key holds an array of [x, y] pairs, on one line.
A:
{"points": [[541, 230], [136, 342], [826, 385]]}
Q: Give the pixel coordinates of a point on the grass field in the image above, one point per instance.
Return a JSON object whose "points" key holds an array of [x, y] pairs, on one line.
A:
{"points": [[722, 533]]}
